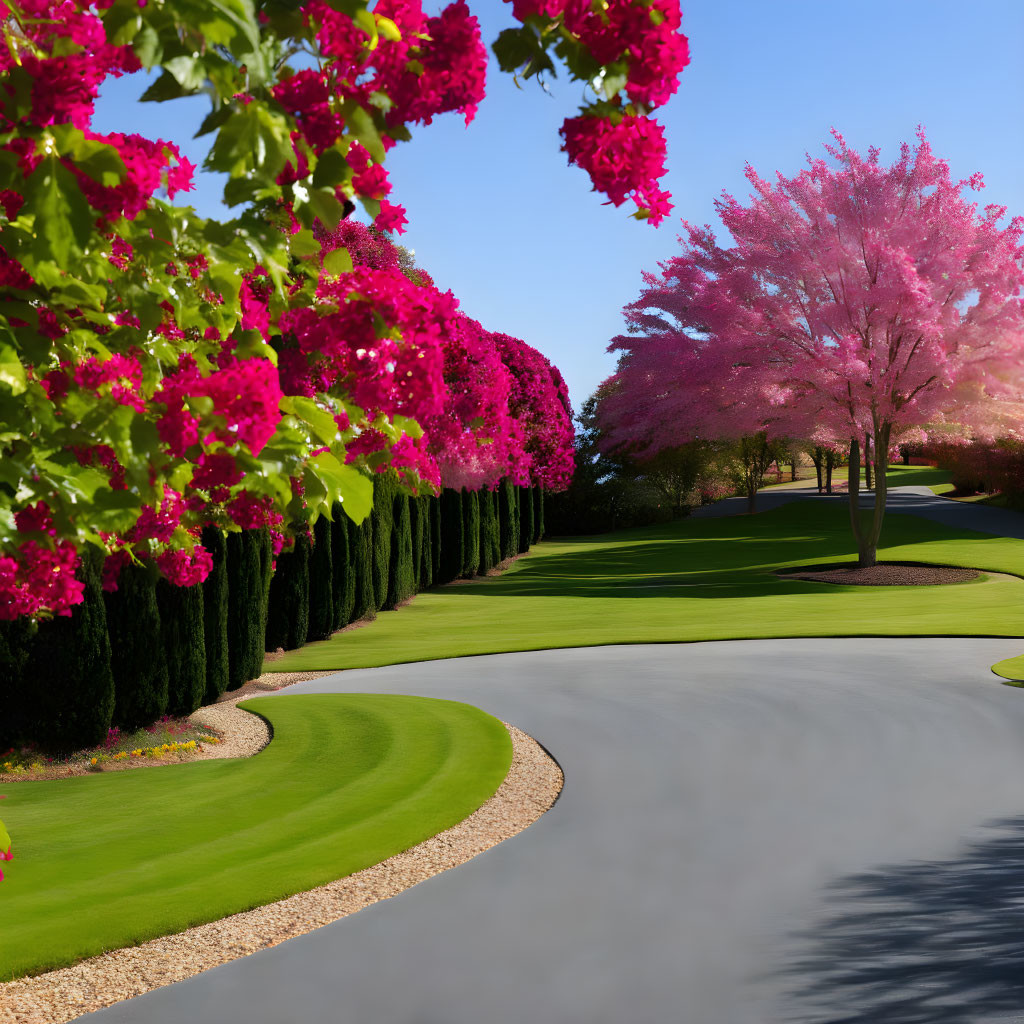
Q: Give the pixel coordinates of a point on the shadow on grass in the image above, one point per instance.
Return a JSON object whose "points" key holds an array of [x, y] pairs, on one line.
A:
{"points": [[922, 943]]}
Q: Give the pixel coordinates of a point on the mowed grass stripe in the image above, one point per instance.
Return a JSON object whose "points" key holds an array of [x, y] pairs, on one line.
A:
{"points": [[108, 860], [696, 579]]}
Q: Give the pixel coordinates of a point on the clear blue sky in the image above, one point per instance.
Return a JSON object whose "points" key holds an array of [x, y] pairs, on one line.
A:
{"points": [[496, 215]]}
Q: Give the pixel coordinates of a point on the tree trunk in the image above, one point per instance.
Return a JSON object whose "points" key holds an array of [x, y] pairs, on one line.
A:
{"points": [[867, 461], [792, 470], [751, 493], [828, 476], [868, 535], [816, 458]]}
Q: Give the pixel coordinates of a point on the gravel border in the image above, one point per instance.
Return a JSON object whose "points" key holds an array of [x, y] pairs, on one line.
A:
{"points": [[886, 574], [532, 785]]}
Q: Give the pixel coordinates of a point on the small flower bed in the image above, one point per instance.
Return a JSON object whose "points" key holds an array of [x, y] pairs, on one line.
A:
{"points": [[170, 739]]}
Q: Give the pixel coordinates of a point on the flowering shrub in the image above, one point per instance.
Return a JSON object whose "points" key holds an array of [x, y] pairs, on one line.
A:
{"points": [[160, 372]]}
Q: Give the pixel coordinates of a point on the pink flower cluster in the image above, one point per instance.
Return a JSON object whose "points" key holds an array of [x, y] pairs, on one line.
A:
{"points": [[623, 150], [624, 158], [35, 578]]}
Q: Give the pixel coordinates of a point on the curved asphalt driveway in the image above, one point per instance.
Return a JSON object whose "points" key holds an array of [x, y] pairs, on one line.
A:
{"points": [[750, 832]]}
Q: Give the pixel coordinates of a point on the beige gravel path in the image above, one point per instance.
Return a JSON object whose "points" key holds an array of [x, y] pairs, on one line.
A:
{"points": [[530, 788]]}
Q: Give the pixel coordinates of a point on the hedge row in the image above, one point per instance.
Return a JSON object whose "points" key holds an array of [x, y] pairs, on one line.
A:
{"points": [[127, 657]]}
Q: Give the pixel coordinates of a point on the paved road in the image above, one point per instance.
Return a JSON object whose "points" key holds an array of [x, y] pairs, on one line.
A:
{"points": [[752, 832], [915, 500]]}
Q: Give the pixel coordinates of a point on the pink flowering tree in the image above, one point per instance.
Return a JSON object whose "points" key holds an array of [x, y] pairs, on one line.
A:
{"points": [[859, 300], [160, 372]]}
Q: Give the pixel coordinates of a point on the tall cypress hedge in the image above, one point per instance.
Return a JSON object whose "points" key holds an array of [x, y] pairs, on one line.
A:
{"points": [[490, 540], [288, 603], [215, 616], [435, 539], [181, 625], [525, 519], [401, 579], [452, 549], [425, 576], [360, 539], [382, 523], [15, 639], [246, 605], [508, 518], [343, 590], [538, 514], [471, 538], [68, 683], [321, 581], [419, 513], [137, 658]]}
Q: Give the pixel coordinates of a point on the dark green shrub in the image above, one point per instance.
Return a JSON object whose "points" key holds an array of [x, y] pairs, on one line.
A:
{"points": [[435, 538], [419, 513], [452, 551], [401, 581], [360, 539], [508, 518], [15, 639], [246, 604], [525, 518], [471, 538], [490, 541], [215, 616], [321, 582], [426, 505], [137, 659], [343, 591], [381, 529], [288, 604], [181, 625], [68, 684], [538, 514]]}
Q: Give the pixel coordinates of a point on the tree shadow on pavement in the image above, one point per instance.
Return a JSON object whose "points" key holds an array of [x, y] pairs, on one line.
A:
{"points": [[922, 943]]}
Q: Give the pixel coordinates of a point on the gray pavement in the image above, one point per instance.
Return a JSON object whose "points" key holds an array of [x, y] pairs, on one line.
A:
{"points": [[912, 500], [750, 832]]}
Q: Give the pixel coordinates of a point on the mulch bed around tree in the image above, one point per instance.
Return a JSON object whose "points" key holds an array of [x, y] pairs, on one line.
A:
{"points": [[885, 574]]}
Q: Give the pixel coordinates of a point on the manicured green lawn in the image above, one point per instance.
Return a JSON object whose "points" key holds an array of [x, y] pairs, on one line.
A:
{"points": [[1011, 669], [697, 579], [108, 860], [921, 476]]}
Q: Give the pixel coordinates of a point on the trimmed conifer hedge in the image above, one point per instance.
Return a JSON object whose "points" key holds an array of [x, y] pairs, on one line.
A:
{"points": [[361, 547], [471, 533], [321, 582], [538, 514], [288, 602], [68, 685], [490, 538], [525, 518], [343, 590], [381, 530], [137, 659], [215, 616], [246, 605], [452, 549], [181, 626], [508, 518], [420, 530], [401, 580], [15, 639], [435, 538]]}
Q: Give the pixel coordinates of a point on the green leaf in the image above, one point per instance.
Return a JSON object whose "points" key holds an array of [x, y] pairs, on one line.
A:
{"points": [[360, 123], [319, 419], [62, 220], [345, 484], [338, 261], [302, 243], [327, 207], [12, 373]]}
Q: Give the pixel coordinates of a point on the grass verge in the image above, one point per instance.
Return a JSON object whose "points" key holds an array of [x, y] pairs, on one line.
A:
{"points": [[110, 860], [695, 579]]}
